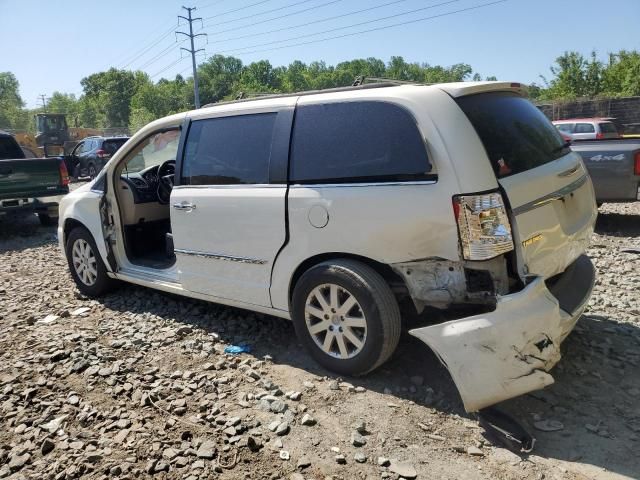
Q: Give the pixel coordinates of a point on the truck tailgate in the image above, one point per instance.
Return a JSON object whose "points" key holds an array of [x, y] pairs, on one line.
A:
{"points": [[30, 177], [611, 164]]}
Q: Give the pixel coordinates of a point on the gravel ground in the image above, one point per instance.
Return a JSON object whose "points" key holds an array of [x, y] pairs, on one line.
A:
{"points": [[137, 385]]}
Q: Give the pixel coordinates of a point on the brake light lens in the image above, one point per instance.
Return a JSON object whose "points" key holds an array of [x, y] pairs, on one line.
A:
{"points": [[636, 163], [483, 223], [599, 136], [102, 154], [64, 174]]}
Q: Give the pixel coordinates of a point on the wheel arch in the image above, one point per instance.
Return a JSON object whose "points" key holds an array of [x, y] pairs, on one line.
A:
{"points": [[69, 225], [395, 281]]}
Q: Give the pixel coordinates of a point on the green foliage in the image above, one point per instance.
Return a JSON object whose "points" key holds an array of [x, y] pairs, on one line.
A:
{"points": [[10, 102], [576, 76]]}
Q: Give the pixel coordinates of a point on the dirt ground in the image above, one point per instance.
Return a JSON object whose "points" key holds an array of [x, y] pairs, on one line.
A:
{"points": [[137, 385]]}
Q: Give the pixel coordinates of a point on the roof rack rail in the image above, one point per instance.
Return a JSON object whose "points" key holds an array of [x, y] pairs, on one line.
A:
{"points": [[244, 97], [364, 80]]}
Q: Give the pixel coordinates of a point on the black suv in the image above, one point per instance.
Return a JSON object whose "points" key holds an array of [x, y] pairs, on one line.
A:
{"points": [[91, 154]]}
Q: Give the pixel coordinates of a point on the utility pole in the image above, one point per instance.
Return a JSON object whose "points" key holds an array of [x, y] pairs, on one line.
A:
{"points": [[43, 99], [192, 50]]}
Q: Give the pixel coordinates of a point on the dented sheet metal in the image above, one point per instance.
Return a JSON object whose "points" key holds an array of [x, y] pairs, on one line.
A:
{"points": [[505, 353]]}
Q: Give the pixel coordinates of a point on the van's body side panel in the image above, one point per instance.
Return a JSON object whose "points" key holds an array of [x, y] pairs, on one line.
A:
{"points": [[386, 222]]}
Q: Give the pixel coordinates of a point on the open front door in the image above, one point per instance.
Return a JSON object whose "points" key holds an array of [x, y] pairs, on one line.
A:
{"points": [[228, 211], [107, 222]]}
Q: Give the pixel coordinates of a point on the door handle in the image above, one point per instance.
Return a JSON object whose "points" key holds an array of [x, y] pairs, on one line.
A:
{"points": [[570, 171], [184, 206]]}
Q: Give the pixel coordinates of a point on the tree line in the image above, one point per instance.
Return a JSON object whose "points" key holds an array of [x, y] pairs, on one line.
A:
{"points": [[123, 98]]}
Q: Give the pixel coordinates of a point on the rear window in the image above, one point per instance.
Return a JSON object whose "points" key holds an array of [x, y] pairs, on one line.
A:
{"points": [[356, 142], [516, 135], [9, 148], [565, 127], [607, 127], [112, 146]]}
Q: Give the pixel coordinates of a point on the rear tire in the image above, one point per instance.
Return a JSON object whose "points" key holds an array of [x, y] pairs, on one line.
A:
{"points": [[346, 316], [86, 265], [92, 171]]}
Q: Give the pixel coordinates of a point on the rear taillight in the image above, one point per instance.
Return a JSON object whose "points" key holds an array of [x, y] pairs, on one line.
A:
{"points": [[64, 174], [101, 154], [599, 136], [483, 224], [636, 163]]}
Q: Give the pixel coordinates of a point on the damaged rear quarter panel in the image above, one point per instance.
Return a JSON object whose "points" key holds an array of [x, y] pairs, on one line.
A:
{"points": [[505, 353]]}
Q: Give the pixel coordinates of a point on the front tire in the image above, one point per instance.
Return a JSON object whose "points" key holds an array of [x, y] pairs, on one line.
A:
{"points": [[86, 265], [92, 171], [346, 316]]}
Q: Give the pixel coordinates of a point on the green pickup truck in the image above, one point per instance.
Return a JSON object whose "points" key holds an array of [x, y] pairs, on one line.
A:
{"points": [[30, 184]]}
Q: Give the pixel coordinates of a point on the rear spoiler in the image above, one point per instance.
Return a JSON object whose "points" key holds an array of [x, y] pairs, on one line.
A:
{"points": [[461, 89]]}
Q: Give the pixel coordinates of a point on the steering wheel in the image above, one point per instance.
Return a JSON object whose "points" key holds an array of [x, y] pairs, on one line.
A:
{"points": [[166, 173]]}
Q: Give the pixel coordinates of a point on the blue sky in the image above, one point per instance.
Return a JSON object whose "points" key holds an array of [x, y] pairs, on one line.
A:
{"points": [[51, 45]]}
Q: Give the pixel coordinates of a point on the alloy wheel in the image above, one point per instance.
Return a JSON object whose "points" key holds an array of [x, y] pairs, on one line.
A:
{"points": [[84, 262], [335, 320]]}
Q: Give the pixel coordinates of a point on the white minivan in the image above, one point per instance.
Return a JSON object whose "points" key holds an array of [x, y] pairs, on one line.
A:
{"points": [[346, 210]]}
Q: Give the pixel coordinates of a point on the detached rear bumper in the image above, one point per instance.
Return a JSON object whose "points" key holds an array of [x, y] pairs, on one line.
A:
{"points": [[505, 353]]}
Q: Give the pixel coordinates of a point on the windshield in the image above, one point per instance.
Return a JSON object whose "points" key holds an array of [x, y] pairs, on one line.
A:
{"points": [[152, 151], [51, 123], [516, 135]]}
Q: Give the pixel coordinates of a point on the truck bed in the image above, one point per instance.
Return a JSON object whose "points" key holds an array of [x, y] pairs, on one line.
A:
{"points": [[30, 178], [612, 167]]}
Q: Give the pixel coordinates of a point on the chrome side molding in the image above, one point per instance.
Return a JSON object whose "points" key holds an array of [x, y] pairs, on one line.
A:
{"points": [[217, 256]]}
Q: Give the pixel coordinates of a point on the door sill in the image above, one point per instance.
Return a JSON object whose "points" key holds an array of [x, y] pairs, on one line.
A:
{"points": [[151, 275]]}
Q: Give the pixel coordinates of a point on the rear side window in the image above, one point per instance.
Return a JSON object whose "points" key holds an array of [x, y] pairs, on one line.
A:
{"points": [[228, 150], [607, 127], [356, 142], [585, 128], [9, 148], [516, 135]]}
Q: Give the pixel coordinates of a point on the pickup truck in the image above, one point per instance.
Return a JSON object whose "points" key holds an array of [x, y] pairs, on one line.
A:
{"points": [[30, 184], [614, 167]]}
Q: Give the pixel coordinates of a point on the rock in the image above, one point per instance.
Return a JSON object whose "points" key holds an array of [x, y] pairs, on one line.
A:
{"points": [[341, 459], [278, 406], [47, 446], [308, 420], [169, 453], [123, 423], [207, 450], [282, 429], [360, 426], [334, 385], [383, 461], [284, 455], [295, 396], [548, 425], [254, 444], [404, 469], [360, 457], [184, 330], [274, 425], [303, 463], [54, 425], [58, 355], [296, 476], [475, 451], [161, 466], [76, 445], [358, 440], [18, 461]]}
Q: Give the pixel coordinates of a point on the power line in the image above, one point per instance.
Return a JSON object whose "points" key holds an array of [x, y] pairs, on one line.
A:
{"points": [[192, 50], [345, 27], [258, 14], [175, 62], [212, 4], [143, 52], [160, 54], [238, 9], [150, 44], [475, 7], [273, 18], [309, 23]]}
